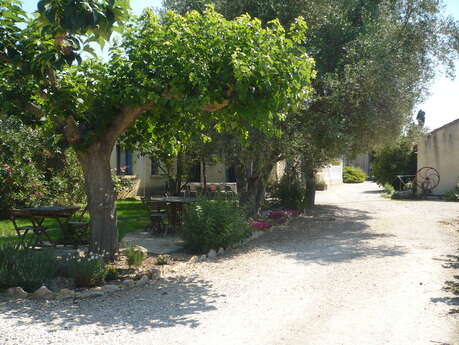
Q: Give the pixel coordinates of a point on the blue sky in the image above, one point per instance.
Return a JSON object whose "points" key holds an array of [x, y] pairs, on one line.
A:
{"points": [[441, 107]]}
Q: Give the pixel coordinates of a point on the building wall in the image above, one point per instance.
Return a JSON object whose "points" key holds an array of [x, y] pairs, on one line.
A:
{"points": [[148, 184], [362, 161], [440, 150], [331, 174]]}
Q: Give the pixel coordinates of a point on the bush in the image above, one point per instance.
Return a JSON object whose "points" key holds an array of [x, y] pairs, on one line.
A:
{"points": [[112, 273], [321, 185], [36, 169], [452, 195], [135, 256], [290, 192], [163, 260], [389, 189], [211, 224], [354, 175], [88, 271], [393, 161], [27, 268]]}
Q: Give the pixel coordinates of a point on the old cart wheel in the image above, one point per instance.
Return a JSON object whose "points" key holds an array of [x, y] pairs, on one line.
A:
{"points": [[427, 178]]}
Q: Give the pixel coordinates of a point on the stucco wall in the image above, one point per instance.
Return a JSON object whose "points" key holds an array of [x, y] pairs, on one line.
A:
{"points": [[362, 161], [331, 174], [440, 150]]}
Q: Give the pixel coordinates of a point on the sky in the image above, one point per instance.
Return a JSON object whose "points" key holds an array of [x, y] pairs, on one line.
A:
{"points": [[441, 106]]}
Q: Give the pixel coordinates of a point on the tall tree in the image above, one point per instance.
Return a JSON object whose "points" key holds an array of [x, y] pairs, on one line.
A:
{"points": [[163, 68], [374, 60]]}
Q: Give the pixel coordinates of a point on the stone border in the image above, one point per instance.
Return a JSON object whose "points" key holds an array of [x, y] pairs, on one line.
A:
{"points": [[212, 254], [43, 293]]}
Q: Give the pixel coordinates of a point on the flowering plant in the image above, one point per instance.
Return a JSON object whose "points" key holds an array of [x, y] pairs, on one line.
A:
{"points": [[87, 271], [259, 225], [277, 214], [293, 213]]}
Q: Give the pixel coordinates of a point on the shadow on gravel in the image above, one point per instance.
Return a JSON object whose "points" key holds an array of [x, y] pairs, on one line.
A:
{"points": [[330, 234], [377, 191], [167, 303]]}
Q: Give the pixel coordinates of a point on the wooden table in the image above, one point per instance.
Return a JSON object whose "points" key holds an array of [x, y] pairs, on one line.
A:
{"points": [[37, 216], [175, 207]]}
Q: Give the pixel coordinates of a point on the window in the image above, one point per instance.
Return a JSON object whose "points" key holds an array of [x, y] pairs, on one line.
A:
{"points": [[154, 166], [123, 162], [195, 172], [230, 174]]}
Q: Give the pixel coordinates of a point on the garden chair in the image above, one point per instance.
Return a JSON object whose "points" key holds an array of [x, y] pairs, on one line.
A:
{"points": [[35, 228], [76, 229], [158, 213]]}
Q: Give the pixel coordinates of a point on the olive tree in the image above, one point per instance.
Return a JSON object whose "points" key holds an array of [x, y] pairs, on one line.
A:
{"points": [[374, 60]]}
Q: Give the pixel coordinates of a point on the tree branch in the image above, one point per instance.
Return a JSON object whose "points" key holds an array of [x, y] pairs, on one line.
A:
{"points": [[126, 118]]}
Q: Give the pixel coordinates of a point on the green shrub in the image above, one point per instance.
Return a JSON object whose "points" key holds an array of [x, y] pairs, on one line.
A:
{"points": [[354, 175], [87, 271], [290, 192], [211, 224], [27, 268], [34, 170], [321, 185], [163, 260], [135, 256], [112, 273], [393, 161], [389, 189], [452, 195]]}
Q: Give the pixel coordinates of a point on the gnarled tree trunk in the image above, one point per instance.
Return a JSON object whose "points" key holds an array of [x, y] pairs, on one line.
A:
{"points": [[101, 199]]}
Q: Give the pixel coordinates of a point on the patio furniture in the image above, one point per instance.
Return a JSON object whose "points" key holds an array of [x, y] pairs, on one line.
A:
{"points": [[75, 231], [37, 216], [174, 208], [158, 214]]}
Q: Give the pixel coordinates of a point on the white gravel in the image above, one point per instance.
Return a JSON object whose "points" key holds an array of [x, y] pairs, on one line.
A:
{"points": [[361, 272]]}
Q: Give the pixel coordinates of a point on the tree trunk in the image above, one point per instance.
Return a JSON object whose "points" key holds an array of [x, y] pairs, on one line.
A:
{"points": [[242, 176], [310, 198], [101, 200], [204, 175]]}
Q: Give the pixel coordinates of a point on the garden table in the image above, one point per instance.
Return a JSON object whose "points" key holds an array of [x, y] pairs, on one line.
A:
{"points": [[175, 207], [37, 216]]}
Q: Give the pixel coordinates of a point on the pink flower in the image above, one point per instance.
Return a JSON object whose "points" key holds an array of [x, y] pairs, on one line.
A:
{"points": [[277, 214], [293, 212], [260, 225]]}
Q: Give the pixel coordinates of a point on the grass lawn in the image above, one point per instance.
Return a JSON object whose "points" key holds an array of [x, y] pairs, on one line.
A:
{"points": [[131, 216]]}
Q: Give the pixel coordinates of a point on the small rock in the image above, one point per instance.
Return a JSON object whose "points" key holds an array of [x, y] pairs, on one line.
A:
{"points": [[257, 234], [17, 292], [154, 274], [221, 251], [110, 288], [143, 281], [193, 260], [89, 294], [212, 254], [42, 292], [202, 258], [128, 283], [65, 293]]}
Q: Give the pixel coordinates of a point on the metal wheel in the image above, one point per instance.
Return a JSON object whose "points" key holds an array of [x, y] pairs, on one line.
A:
{"points": [[427, 178]]}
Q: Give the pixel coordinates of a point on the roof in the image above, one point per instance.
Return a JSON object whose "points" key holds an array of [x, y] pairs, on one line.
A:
{"points": [[444, 126]]}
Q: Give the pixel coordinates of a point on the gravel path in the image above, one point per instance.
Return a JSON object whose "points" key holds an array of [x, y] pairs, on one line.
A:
{"points": [[362, 271]]}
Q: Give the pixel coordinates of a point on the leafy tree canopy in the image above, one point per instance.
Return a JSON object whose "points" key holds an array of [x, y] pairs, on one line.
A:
{"points": [[162, 69]]}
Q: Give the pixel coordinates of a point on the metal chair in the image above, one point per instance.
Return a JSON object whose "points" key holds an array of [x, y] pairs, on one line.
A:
{"points": [[76, 230]]}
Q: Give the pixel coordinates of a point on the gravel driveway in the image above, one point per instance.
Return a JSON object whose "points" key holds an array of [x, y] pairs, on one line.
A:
{"points": [[362, 271]]}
